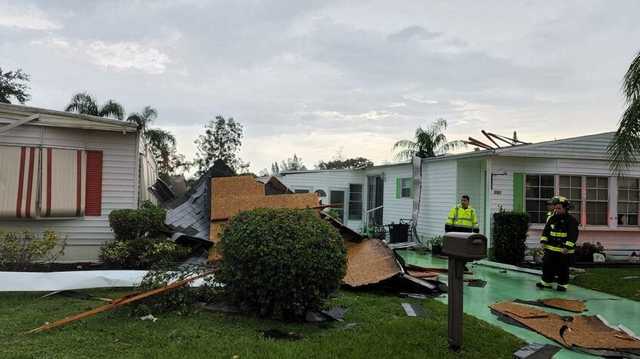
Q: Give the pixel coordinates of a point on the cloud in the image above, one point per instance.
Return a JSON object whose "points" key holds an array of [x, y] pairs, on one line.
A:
{"points": [[117, 55], [413, 32], [128, 55], [28, 17]]}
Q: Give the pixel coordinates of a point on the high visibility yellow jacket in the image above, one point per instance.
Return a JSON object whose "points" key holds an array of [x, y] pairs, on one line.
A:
{"points": [[560, 232], [462, 220]]}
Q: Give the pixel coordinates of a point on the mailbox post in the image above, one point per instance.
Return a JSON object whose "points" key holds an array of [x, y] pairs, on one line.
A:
{"points": [[460, 248]]}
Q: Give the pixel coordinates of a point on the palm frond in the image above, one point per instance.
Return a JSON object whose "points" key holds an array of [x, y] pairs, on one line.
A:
{"points": [[631, 83], [405, 155], [83, 103], [625, 146], [406, 144], [149, 114], [112, 108], [439, 126], [453, 145]]}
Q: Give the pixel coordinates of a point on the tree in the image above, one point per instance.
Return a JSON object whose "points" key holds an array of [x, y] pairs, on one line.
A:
{"points": [[163, 148], [625, 146], [86, 104], [222, 140], [144, 118], [353, 163], [428, 143], [292, 164], [14, 84]]}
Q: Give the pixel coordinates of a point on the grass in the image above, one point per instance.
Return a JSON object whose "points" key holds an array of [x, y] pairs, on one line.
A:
{"points": [[610, 280], [382, 330]]}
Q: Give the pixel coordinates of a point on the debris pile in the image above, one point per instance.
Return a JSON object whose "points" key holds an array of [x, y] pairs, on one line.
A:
{"points": [[589, 334]]}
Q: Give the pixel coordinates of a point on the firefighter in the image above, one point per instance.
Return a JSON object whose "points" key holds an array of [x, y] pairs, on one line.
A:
{"points": [[559, 242], [462, 218]]}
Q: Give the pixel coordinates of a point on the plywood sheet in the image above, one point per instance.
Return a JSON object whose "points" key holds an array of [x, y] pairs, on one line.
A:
{"points": [[228, 207], [369, 262], [571, 305]]}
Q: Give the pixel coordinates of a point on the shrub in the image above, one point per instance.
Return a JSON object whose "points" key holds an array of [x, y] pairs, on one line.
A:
{"points": [[436, 244], [281, 262], [142, 253], [130, 224], [584, 252], [19, 250], [509, 236]]}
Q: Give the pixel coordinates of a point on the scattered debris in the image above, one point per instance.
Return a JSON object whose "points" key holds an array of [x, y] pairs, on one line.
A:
{"points": [[280, 335], [413, 267], [336, 313], [479, 283], [413, 310], [570, 305], [585, 333], [116, 303], [149, 317], [314, 317], [413, 295], [536, 351], [631, 277]]}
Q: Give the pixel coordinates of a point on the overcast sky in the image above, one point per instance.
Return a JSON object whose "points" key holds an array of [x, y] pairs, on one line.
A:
{"points": [[323, 78]]}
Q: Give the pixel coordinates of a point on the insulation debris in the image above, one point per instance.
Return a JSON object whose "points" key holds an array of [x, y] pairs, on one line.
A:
{"points": [[413, 310], [584, 333], [536, 351]]}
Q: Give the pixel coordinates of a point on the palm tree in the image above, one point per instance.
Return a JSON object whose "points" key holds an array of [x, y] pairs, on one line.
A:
{"points": [[428, 143], [625, 146], [86, 104], [144, 118]]}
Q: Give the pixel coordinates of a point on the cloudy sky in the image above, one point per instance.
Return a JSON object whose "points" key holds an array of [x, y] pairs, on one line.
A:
{"points": [[323, 79]]}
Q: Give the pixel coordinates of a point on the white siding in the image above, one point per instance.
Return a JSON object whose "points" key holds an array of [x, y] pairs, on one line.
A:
{"points": [[85, 235], [327, 181], [439, 194]]}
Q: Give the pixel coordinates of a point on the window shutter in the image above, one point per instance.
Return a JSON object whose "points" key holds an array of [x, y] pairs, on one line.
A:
{"points": [[518, 192], [18, 181], [93, 197], [398, 187]]}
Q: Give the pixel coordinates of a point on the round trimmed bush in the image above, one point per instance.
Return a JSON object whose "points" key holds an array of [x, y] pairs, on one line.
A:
{"points": [[281, 262]]}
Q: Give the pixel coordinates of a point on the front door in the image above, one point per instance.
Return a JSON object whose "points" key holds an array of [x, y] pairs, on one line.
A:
{"points": [[375, 194]]}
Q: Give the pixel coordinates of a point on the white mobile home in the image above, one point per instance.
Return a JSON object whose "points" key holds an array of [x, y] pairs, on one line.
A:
{"points": [[521, 177], [66, 172]]}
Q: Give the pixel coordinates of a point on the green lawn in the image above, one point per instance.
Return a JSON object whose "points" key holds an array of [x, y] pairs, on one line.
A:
{"points": [[610, 280], [382, 330]]}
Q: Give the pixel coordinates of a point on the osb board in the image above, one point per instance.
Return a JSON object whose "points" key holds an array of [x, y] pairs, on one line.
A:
{"points": [[580, 331], [571, 305], [589, 332], [369, 262], [228, 207], [237, 185]]}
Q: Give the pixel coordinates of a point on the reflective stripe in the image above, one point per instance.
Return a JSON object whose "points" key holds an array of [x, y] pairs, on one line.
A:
{"points": [[557, 249], [545, 283], [559, 234], [543, 239], [569, 244]]}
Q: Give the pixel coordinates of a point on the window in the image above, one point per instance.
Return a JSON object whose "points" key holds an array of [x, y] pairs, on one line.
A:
{"points": [[406, 186], [50, 182], [597, 200], [355, 202], [301, 191], [628, 200], [539, 189], [571, 188]]}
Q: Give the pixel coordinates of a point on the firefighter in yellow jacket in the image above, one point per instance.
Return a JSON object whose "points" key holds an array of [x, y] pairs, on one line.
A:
{"points": [[462, 218], [559, 242]]}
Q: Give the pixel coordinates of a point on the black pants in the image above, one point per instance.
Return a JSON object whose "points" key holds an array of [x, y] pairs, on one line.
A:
{"points": [[555, 264]]}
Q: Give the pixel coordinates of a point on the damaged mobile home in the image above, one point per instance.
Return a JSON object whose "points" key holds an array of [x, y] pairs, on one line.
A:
{"points": [[65, 172]]}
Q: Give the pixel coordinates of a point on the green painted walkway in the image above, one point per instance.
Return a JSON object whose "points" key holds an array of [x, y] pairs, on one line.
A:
{"points": [[510, 285]]}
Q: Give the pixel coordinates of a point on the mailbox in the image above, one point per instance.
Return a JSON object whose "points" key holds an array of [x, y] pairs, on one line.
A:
{"points": [[467, 246], [460, 248]]}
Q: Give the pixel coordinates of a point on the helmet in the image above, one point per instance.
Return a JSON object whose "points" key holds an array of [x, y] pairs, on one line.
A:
{"points": [[560, 200]]}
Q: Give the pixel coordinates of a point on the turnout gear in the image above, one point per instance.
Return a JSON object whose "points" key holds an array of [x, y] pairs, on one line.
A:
{"points": [[462, 220], [559, 242]]}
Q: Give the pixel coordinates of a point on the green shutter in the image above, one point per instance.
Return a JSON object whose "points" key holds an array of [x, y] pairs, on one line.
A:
{"points": [[398, 187], [518, 192]]}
